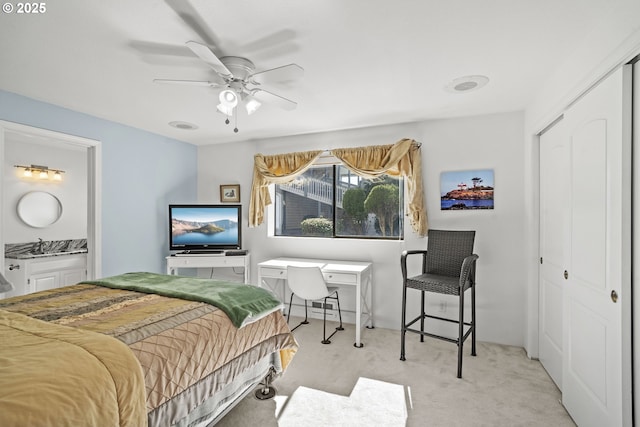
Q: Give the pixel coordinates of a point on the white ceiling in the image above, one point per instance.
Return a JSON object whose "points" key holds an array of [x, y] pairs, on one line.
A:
{"points": [[366, 62]]}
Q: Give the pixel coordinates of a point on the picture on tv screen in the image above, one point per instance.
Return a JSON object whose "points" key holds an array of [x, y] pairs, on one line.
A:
{"points": [[205, 226]]}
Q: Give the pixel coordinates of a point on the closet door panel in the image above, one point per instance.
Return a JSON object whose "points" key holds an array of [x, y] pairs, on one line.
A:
{"points": [[554, 247], [596, 283], [589, 204]]}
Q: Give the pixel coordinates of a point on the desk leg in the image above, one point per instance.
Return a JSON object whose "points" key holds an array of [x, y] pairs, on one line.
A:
{"points": [[364, 298], [368, 299], [358, 343], [279, 283]]}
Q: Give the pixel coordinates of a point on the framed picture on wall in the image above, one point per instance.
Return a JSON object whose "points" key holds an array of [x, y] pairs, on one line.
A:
{"points": [[230, 193], [466, 190]]}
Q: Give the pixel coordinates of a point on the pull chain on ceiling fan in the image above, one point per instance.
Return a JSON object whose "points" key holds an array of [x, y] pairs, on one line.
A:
{"points": [[239, 81]]}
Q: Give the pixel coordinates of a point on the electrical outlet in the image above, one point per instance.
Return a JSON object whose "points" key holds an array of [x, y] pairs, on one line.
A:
{"points": [[443, 306]]}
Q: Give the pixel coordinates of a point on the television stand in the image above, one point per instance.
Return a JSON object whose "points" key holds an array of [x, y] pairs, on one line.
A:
{"points": [[209, 261]]}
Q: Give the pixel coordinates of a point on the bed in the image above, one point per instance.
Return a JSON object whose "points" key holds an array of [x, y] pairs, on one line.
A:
{"points": [[137, 349]]}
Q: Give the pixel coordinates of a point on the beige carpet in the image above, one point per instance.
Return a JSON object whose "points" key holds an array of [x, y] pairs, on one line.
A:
{"points": [[499, 387]]}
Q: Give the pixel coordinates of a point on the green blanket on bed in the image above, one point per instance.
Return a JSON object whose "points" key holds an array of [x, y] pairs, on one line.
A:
{"points": [[242, 303]]}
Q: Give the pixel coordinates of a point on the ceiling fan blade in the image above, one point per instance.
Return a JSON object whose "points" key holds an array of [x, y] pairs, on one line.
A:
{"points": [[272, 98], [210, 58], [194, 20], [188, 82], [279, 74]]}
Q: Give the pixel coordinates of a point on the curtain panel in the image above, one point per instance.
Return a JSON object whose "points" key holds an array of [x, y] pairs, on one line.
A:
{"points": [[396, 160], [401, 159], [276, 169]]}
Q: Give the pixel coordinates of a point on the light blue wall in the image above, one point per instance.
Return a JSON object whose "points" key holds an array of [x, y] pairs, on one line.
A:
{"points": [[141, 174]]}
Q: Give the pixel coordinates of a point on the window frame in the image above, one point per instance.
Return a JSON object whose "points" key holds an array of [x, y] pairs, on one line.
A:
{"points": [[335, 165]]}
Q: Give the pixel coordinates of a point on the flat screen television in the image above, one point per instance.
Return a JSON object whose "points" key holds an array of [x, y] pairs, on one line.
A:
{"points": [[205, 227]]}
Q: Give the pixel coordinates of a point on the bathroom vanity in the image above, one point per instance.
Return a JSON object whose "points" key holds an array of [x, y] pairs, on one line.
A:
{"points": [[31, 272], [41, 264]]}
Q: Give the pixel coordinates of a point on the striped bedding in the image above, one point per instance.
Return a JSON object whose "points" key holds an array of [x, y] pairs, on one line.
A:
{"points": [[188, 350]]}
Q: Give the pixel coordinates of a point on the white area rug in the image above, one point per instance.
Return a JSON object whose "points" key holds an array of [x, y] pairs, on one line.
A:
{"points": [[371, 403]]}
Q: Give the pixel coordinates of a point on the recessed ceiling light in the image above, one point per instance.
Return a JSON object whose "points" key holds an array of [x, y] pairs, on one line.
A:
{"points": [[183, 125], [467, 84]]}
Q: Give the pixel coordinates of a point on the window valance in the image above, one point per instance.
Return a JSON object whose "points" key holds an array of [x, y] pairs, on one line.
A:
{"points": [[396, 160]]}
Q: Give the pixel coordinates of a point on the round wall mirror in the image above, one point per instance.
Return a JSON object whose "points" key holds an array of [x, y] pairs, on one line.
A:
{"points": [[39, 209]]}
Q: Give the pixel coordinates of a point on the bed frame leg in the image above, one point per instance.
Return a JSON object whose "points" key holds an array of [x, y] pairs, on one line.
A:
{"points": [[267, 391]]}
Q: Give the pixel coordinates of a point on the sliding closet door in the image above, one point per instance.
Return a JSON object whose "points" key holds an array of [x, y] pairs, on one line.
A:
{"points": [[554, 244], [597, 270]]}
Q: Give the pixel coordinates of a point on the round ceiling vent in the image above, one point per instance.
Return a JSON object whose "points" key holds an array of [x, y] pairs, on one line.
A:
{"points": [[183, 125], [467, 84]]}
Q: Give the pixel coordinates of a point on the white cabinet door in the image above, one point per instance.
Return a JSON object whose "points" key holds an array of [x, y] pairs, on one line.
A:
{"points": [[598, 267], [39, 274], [43, 281], [71, 277]]}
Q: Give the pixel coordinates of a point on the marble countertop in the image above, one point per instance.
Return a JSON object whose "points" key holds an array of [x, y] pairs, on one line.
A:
{"points": [[46, 254], [45, 248]]}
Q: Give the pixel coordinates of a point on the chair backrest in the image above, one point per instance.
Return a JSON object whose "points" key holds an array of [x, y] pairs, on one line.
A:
{"points": [[307, 282], [446, 249]]}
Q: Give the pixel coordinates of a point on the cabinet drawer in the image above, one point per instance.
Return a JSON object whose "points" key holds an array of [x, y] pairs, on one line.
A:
{"points": [[232, 261], [273, 272], [180, 262], [215, 261], [349, 279], [57, 263]]}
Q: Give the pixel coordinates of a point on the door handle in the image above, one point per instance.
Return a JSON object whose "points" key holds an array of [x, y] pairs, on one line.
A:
{"points": [[614, 296]]}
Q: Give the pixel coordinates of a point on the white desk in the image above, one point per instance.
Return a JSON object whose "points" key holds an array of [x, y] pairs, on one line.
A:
{"points": [[350, 273], [175, 262]]}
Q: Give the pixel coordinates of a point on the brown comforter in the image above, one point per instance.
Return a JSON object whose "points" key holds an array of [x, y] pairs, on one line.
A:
{"points": [[186, 350]]}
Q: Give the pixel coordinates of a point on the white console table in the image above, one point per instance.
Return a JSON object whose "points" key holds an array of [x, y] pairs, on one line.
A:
{"points": [[174, 262], [350, 273]]}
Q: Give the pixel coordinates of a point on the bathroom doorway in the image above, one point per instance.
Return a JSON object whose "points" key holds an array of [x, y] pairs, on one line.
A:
{"points": [[11, 132]]}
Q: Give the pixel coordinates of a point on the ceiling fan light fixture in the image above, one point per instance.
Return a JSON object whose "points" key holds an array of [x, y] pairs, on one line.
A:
{"points": [[228, 98], [236, 84], [252, 105], [226, 110]]}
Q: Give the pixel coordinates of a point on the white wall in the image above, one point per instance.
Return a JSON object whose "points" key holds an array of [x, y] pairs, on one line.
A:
{"points": [[71, 191], [491, 142]]}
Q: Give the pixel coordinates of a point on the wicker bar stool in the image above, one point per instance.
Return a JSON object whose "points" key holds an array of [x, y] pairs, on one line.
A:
{"points": [[448, 267]]}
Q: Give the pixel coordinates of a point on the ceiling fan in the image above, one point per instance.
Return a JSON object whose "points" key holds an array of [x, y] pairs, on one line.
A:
{"points": [[239, 81]]}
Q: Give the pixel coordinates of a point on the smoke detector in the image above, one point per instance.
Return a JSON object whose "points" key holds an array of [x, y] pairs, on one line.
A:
{"points": [[467, 84]]}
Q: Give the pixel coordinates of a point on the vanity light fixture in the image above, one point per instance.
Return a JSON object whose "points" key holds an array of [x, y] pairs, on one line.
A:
{"points": [[42, 172]]}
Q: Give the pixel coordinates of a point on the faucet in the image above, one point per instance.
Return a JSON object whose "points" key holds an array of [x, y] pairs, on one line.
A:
{"points": [[37, 247]]}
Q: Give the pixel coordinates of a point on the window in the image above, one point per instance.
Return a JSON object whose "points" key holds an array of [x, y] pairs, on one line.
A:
{"points": [[332, 201]]}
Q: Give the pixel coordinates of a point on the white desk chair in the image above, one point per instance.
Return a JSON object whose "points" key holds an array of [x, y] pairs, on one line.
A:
{"points": [[308, 283]]}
